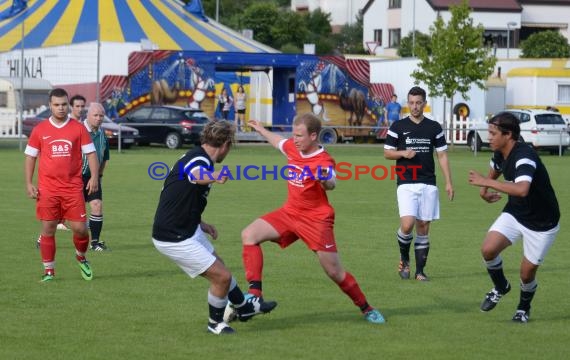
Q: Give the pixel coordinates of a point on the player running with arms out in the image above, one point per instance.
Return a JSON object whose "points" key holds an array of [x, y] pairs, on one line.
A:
{"points": [[307, 213], [58, 143], [411, 142], [531, 212], [180, 234]]}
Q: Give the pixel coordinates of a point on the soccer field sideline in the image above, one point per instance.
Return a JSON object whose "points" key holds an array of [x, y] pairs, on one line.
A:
{"points": [[141, 306]]}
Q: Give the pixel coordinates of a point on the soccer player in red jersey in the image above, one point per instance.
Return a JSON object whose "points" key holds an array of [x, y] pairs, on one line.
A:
{"points": [[307, 213], [77, 107], [59, 143]]}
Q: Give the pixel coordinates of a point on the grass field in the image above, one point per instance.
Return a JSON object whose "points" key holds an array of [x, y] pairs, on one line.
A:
{"points": [[141, 306]]}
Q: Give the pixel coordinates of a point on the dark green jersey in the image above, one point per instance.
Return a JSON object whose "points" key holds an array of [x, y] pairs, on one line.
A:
{"points": [[101, 147]]}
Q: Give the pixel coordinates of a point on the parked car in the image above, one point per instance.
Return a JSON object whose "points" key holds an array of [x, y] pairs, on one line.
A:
{"points": [[129, 135], [169, 125], [542, 129]]}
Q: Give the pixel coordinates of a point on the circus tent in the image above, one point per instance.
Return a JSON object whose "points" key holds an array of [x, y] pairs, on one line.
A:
{"points": [[167, 24], [72, 42]]}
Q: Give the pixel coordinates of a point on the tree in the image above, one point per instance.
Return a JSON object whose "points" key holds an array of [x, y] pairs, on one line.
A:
{"points": [[281, 30], [261, 17], [349, 40], [230, 11], [422, 40], [545, 44], [319, 22], [275, 25], [290, 49], [319, 28], [459, 58]]}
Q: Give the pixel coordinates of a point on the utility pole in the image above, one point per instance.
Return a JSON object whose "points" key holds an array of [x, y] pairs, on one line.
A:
{"points": [[217, 10], [414, 30], [509, 24]]}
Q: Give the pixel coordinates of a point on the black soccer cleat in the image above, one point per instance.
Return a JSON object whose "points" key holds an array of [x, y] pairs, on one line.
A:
{"points": [[404, 269], [521, 316], [254, 306], [492, 298], [220, 328]]}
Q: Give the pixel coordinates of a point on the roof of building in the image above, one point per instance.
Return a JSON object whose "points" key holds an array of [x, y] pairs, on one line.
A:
{"points": [[545, 2], [478, 5]]}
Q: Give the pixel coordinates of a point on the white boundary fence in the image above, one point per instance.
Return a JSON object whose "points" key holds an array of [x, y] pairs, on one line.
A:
{"points": [[461, 128], [9, 124]]}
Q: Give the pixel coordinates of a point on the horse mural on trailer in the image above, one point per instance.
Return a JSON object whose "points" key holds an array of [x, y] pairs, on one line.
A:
{"points": [[199, 84], [161, 93], [354, 102], [166, 77], [312, 88], [186, 75], [323, 80]]}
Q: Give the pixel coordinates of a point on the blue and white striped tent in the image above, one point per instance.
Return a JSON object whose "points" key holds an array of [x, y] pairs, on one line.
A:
{"points": [[168, 24]]}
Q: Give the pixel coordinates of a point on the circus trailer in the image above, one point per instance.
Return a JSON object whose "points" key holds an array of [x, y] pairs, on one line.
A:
{"points": [[546, 87], [468, 112], [278, 86], [339, 91], [196, 79], [398, 73]]}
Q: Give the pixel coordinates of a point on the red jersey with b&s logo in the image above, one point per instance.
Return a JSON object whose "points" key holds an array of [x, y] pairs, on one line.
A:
{"points": [[60, 149], [305, 192]]}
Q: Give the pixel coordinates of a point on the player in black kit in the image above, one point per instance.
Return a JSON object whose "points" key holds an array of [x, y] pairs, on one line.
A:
{"points": [[411, 142], [531, 212], [180, 233]]}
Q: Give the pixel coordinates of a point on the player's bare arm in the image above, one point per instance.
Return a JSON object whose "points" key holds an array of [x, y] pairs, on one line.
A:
{"points": [[202, 176], [328, 181], [29, 166], [490, 196], [519, 189], [392, 154], [102, 168], [445, 168], [209, 229], [272, 138], [93, 183]]}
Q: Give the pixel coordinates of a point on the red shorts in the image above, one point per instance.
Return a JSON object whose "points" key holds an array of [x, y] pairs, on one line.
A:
{"points": [[318, 234], [56, 207]]}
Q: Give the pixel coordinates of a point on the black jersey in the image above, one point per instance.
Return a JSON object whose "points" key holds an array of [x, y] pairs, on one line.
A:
{"points": [[422, 138], [538, 210], [182, 201]]}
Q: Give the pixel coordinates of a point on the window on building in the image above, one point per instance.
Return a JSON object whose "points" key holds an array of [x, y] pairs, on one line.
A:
{"points": [[378, 36], [394, 4], [563, 93], [3, 99], [394, 37], [498, 39]]}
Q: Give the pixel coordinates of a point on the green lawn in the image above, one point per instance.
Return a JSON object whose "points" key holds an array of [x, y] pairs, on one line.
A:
{"points": [[141, 306]]}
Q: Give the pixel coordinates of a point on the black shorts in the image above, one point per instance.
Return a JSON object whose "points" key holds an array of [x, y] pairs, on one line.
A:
{"points": [[242, 111], [97, 195]]}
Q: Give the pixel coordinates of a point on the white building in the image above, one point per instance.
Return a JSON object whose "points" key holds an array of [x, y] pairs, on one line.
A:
{"points": [[506, 22], [342, 12]]}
